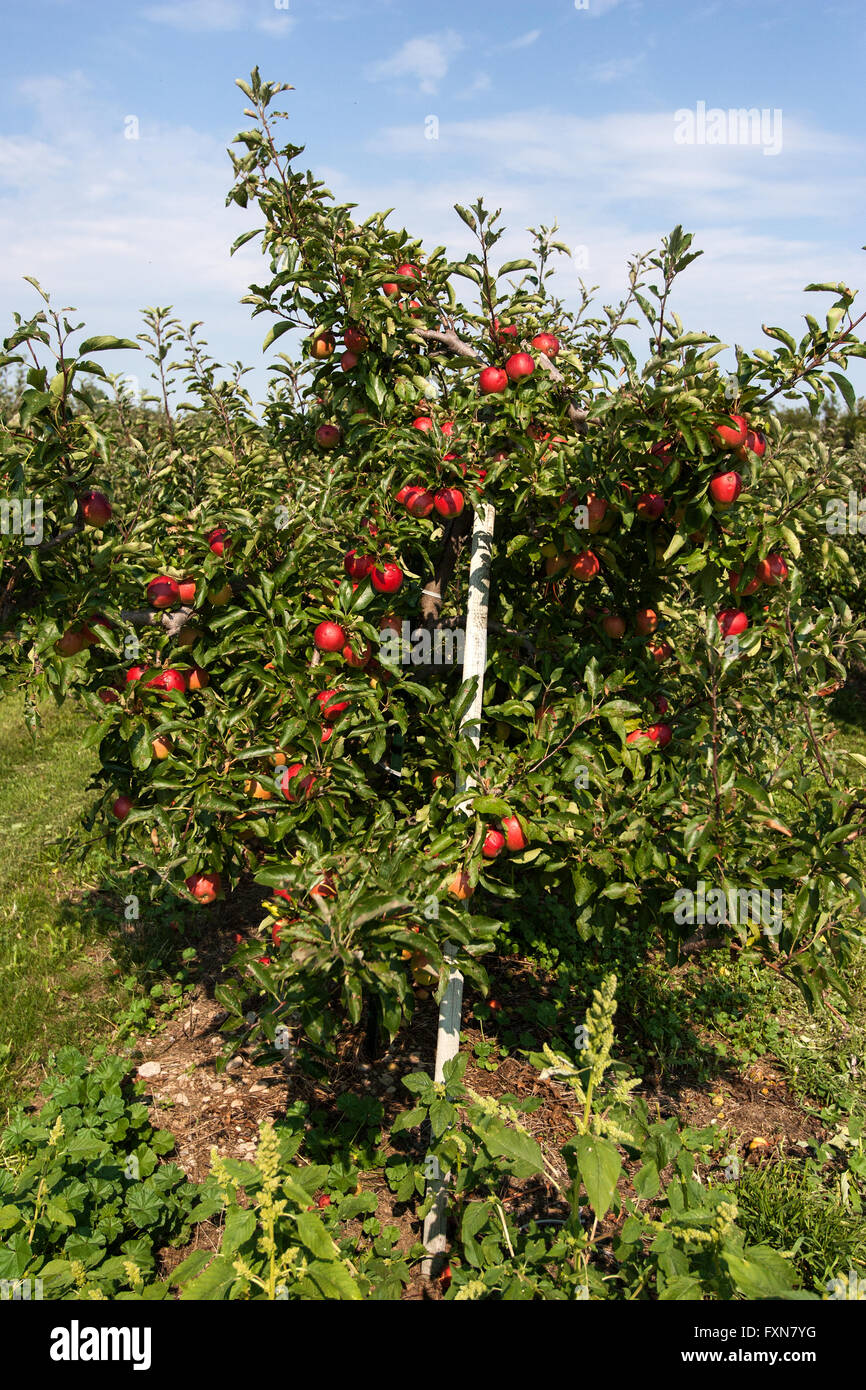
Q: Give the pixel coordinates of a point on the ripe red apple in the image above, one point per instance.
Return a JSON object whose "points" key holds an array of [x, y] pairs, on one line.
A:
{"points": [[447, 428], [95, 509], [186, 589], [328, 436], [494, 843], [448, 501], [423, 423], [331, 709], [356, 340], [357, 566], [390, 289], [122, 807], [501, 331], [218, 540], [660, 734], [661, 704], [71, 643], [735, 579], [519, 366], [660, 651], [325, 888], [585, 565], [663, 451], [492, 381], [547, 343], [650, 506], [163, 592], [732, 432], [514, 836], [205, 887], [635, 736], [329, 637], [419, 502], [323, 346], [283, 893], [388, 579], [409, 271], [614, 626], [348, 361], [646, 620], [756, 443], [725, 488], [198, 678], [358, 660], [773, 570], [732, 621], [167, 681], [302, 788]]}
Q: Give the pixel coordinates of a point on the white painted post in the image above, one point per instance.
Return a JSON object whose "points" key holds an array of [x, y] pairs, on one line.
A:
{"points": [[474, 664]]}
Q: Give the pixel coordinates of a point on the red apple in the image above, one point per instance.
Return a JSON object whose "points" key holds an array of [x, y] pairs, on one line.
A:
{"points": [[519, 366], [514, 836], [660, 734], [735, 579], [494, 843], [725, 488], [95, 509], [547, 343], [661, 704], [492, 381], [388, 579], [218, 540], [331, 709], [329, 637], [448, 501], [585, 565], [650, 506], [646, 620], [732, 432], [356, 340], [660, 651], [328, 436], [167, 681], [163, 592], [186, 590], [357, 566], [596, 508], [614, 626], [663, 451], [773, 570], [135, 673], [419, 502], [408, 271], [357, 660], [348, 361], [205, 887], [732, 621], [756, 443], [122, 807], [302, 788], [501, 331], [423, 423]]}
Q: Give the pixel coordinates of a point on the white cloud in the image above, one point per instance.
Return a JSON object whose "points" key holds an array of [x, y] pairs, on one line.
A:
{"points": [[426, 58], [219, 16], [596, 8], [524, 40], [615, 69]]}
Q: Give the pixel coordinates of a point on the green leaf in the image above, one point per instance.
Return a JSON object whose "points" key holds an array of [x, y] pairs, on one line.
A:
{"points": [[599, 1164], [106, 343]]}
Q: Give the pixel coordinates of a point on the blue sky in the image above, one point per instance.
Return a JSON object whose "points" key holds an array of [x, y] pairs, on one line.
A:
{"points": [[551, 111]]}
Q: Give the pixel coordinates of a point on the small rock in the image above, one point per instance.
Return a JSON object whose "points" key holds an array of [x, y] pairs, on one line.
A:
{"points": [[181, 1099], [235, 1065], [149, 1069], [258, 1090]]}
